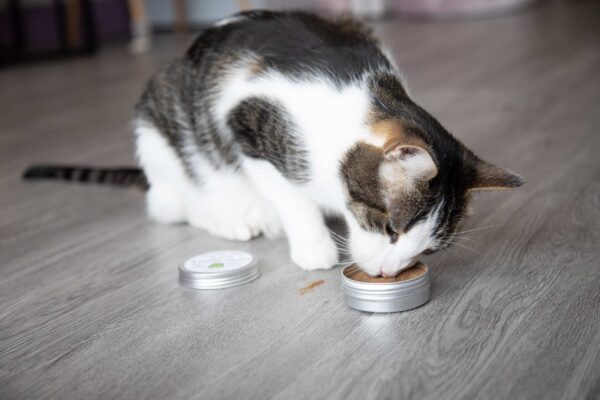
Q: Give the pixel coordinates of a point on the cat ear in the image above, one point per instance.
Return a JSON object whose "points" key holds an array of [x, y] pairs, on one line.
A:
{"points": [[490, 177], [415, 161]]}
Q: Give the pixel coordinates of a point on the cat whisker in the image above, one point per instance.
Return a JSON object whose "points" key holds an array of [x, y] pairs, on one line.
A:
{"points": [[481, 228], [340, 237], [336, 235], [470, 240], [343, 246], [473, 242], [346, 245], [337, 240], [345, 263], [462, 245], [455, 253]]}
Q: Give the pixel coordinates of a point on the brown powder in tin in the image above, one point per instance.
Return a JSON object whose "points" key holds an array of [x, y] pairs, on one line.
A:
{"points": [[357, 274]]}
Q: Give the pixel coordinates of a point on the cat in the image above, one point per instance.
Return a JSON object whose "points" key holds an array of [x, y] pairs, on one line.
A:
{"points": [[272, 120]]}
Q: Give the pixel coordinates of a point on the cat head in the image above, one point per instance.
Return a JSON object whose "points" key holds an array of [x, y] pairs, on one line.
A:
{"points": [[408, 196]]}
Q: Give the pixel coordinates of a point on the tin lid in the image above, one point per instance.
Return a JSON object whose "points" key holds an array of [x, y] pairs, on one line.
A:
{"points": [[218, 270]]}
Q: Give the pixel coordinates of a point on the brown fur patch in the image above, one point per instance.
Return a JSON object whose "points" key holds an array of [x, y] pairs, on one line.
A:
{"points": [[255, 67], [386, 128], [393, 132]]}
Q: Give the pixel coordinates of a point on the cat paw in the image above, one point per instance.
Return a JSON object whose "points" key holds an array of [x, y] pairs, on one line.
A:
{"points": [[237, 216], [239, 231], [315, 254]]}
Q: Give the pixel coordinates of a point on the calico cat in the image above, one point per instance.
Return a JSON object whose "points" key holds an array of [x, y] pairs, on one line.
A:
{"points": [[271, 120]]}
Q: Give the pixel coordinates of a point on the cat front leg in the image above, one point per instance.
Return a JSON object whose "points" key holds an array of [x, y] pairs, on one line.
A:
{"points": [[311, 246]]}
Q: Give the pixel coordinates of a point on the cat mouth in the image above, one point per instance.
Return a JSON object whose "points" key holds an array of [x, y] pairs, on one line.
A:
{"points": [[392, 272]]}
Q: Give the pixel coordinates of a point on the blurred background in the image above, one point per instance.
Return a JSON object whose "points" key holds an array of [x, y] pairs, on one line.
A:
{"points": [[91, 307], [33, 30]]}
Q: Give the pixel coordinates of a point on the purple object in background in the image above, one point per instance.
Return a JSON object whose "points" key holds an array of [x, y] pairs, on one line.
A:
{"points": [[41, 33], [112, 20], [6, 37], [40, 29]]}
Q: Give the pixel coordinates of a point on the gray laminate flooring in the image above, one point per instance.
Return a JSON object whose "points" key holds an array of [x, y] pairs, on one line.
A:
{"points": [[90, 306]]}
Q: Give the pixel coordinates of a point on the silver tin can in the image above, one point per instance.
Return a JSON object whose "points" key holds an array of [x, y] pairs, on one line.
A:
{"points": [[386, 297], [218, 270]]}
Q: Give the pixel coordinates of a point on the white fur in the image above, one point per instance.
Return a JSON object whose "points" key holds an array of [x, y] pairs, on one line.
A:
{"points": [[164, 172], [226, 204], [242, 204], [419, 166]]}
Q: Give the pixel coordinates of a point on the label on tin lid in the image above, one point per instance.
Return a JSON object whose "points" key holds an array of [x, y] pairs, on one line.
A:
{"points": [[218, 261]]}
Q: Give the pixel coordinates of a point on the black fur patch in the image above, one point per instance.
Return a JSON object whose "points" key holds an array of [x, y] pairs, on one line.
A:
{"points": [[264, 130], [297, 44]]}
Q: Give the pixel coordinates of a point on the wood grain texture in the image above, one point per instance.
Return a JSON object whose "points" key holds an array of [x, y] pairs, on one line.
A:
{"points": [[91, 307]]}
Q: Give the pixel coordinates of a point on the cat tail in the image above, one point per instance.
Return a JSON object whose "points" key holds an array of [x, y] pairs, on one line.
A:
{"points": [[122, 177]]}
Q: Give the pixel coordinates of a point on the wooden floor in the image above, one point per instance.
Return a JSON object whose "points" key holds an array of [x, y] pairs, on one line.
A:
{"points": [[90, 306]]}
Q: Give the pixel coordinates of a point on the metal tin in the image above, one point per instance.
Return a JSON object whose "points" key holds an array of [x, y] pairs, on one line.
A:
{"points": [[385, 297], [218, 270]]}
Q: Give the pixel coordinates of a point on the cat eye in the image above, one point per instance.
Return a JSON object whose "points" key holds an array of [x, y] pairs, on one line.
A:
{"points": [[391, 233]]}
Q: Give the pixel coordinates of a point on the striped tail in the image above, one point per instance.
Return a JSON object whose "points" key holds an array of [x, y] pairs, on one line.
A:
{"points": [[122, 177]]}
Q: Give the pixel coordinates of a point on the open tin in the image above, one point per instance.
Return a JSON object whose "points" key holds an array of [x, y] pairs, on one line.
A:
{"points": [[408, 290], [218, 270]]}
